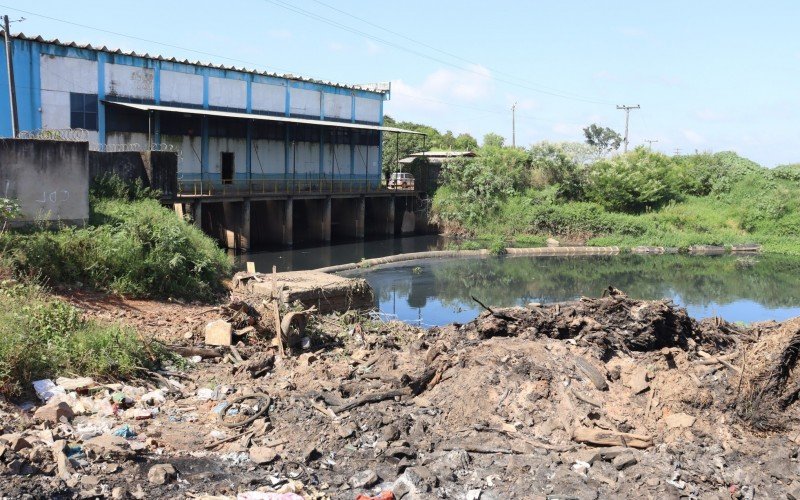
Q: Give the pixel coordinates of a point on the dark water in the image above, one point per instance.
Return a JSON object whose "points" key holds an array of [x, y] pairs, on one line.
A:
{"points": [[299, 259], [437, 292]]}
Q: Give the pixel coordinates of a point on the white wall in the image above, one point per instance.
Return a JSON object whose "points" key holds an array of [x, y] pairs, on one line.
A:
{"points": [[368, 110], [129, 81], [267, 97], [307, 159], [304, 102], [366, 155], [270, 154], [238, 147], [190, 147], [337, 159], [338, 106], [60, 76], [185, 88], [227, 93]]}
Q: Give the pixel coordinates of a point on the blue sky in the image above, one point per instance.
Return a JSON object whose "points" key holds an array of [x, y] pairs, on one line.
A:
{"points": [[709, 75]]}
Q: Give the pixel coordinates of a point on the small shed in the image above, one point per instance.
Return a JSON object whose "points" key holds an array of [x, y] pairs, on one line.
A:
{"points": [[426, 166]]}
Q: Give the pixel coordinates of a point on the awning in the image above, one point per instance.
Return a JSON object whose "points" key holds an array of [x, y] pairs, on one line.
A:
{"points": [[252, 116]]}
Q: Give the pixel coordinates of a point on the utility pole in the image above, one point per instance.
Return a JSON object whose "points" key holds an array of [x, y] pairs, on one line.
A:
{"points": [[12, 94], [677, 151], [650, 143], [514, 125], [627, 117]]}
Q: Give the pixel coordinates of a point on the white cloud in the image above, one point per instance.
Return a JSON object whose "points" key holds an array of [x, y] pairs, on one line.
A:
{"points": [[709, 115], [446, 85], [568, 129], [633, 32], [334, 46], [280, 34], [693, 137], [373, 48]]}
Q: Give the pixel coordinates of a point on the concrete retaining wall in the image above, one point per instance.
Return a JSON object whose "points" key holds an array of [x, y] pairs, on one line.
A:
{"points": [[49, 179]]}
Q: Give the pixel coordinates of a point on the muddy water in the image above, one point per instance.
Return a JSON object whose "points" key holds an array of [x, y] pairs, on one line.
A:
{"points": [[745, 289]]}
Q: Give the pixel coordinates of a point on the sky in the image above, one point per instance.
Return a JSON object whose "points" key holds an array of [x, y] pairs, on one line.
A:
{"points": [[709, 75]]}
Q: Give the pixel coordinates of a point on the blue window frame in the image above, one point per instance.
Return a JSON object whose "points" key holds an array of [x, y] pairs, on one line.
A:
{"points": [[83, 111]]}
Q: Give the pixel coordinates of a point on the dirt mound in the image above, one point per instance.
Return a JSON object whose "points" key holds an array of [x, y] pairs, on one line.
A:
{"points": [[604, 397]]}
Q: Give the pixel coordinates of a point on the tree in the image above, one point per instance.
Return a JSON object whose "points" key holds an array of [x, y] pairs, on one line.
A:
{"points": [[493, 140], [603, 138], [465, 142]]}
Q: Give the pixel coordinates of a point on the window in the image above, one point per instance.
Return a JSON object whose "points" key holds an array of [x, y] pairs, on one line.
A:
{"points": [[83, 111]]}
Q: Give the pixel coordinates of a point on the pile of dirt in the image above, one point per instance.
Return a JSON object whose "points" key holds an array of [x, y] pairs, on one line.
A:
{"points": [[596, 398]]}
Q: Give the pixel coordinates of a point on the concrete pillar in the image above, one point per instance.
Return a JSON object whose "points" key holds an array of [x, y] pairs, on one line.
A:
{"points": [[288, 221], [326, 219], [229, 223], [360, 215], [244, 237], [390, 218], [197, 214]]}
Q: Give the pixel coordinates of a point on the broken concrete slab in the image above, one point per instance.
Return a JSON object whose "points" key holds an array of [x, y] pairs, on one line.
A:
{"points": [[679, 420], [219, 332]]}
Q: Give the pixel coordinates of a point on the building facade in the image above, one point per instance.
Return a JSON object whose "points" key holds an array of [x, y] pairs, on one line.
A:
{"points": [[229, 125]]}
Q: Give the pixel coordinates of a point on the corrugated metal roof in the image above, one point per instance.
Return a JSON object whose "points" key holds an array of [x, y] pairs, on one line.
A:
{"points": [[253, 116], [379, 88], [444, 154]]}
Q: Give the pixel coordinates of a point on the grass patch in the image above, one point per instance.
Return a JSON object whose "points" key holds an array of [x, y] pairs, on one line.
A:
{"points": [[136, 248], [43, 337]]}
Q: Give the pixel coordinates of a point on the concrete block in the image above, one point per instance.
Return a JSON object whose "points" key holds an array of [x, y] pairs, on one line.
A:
{"points": [[219, 332]]}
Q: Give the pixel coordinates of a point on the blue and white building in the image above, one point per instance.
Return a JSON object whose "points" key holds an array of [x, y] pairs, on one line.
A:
{"points": [[229, 124]]}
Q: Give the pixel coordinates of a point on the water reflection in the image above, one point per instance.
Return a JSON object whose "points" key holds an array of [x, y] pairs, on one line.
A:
{"points": [[738, 289], [300, 258]]}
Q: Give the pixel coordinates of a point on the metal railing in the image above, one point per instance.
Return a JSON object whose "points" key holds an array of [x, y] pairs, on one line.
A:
{"points": [[279, 187]]}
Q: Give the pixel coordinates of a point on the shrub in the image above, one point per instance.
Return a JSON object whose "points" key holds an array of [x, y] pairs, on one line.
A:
{"points": [[136, 248], [632, 182], [42, 337]]}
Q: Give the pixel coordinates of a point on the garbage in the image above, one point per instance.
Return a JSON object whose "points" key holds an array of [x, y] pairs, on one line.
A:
{"points": [[46, 389], [79, 385], [384, 495], [125, 432], [260, 495], [205, 393], [155, 397]]}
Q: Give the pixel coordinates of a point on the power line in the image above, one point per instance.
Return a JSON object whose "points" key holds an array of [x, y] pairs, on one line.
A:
{"points": [[389, 43], [147, 40], [650, 143], [436, 49]]}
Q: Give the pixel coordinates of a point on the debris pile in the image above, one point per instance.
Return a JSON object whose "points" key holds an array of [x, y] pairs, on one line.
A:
{"points": [[596, 398]]}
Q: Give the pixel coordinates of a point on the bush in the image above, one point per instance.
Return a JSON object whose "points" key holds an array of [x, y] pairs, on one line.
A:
{"points": [[135, 248], [41, 337], [632, 182], [553, 167]]}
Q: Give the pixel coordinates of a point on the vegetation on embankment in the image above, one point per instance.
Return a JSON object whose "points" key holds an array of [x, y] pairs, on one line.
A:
{"points": [[570, 190], [42, 337], [131, 246]]}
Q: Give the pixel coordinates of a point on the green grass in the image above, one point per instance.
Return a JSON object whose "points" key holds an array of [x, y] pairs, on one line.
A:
{"points": [[759, 208], [43, 337], [136, 248]]}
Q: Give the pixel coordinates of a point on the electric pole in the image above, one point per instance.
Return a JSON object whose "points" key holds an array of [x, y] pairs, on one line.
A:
{"points": [[677, 151], [12, 94], [650, 143], [627, 118], [514, 125]]}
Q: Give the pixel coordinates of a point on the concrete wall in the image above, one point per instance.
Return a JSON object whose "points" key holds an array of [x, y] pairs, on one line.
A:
{"points": [[49, 179], [180, 87], [155, 169]]}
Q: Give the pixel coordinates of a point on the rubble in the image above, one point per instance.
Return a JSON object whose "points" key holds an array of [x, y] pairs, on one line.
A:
{"points": [[597, 398]]}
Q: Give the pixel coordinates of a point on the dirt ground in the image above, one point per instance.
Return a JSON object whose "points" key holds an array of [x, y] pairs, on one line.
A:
{"points": [[600, 398]]}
